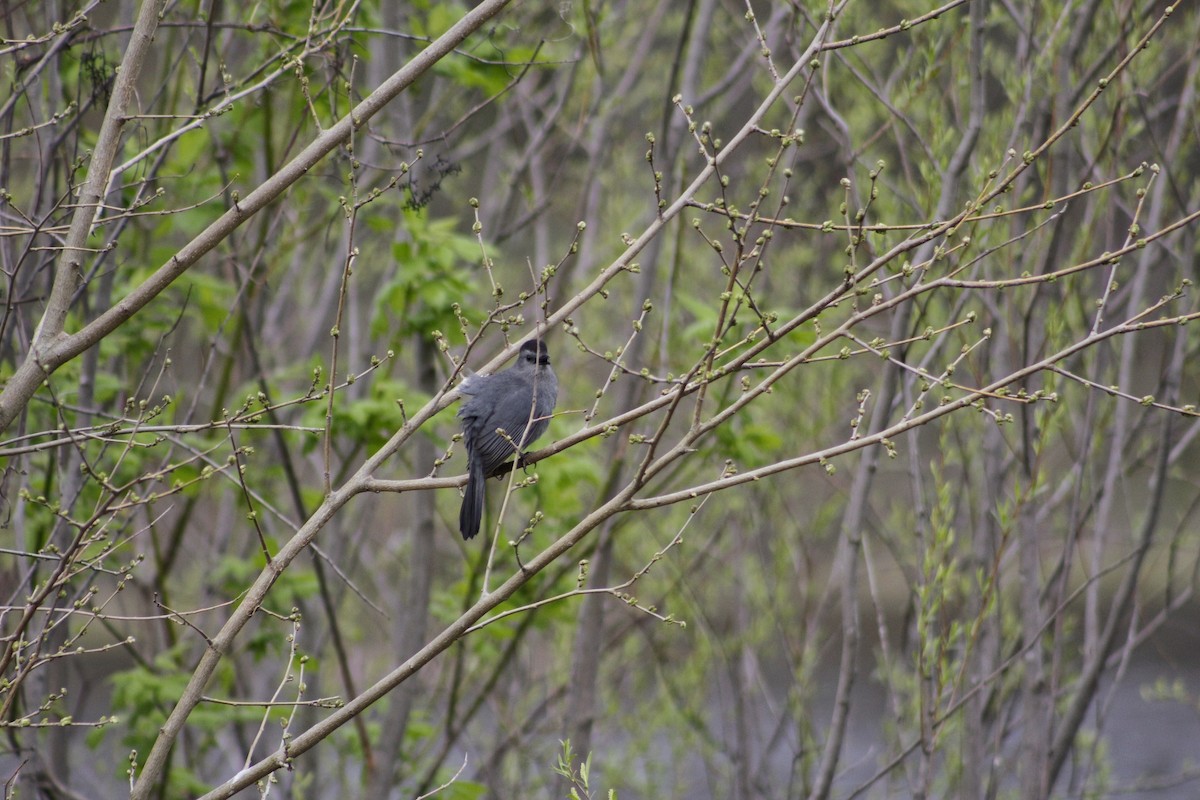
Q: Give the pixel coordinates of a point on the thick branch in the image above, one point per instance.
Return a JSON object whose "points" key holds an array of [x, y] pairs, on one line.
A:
{"points": [[157, 761], [43, 361], [457, 629], [69, 271]]}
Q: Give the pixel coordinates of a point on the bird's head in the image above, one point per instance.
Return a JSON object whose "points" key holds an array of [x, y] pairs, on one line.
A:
{"points": [[534, 353]]}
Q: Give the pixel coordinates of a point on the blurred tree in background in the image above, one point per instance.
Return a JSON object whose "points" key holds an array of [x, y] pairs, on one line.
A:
{"points": [[873, 471]]}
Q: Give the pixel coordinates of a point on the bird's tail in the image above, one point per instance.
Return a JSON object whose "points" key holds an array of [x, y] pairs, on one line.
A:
{"points": [[471, 514]]}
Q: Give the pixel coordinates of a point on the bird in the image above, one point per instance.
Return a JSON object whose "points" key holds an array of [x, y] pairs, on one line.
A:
{"points": [[501, 415]]}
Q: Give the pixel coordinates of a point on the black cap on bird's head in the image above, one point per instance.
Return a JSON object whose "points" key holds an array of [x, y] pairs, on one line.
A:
{"points": [[534, 350]]}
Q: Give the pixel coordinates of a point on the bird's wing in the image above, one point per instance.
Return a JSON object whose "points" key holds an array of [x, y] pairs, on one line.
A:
{"points": [[472, 383], [493, 450], [492, 447]]}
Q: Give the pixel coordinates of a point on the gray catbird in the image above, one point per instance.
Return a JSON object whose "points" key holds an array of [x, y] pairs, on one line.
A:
{"points": [[501, 415]]}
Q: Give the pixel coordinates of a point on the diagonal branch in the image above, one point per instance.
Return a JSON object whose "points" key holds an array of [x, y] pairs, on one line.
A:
{"points": [[156, 762], [53, 348], [69, 270]]}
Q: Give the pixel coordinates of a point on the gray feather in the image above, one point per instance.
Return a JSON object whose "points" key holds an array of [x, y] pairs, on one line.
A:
{"points": [[501, 415]]}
